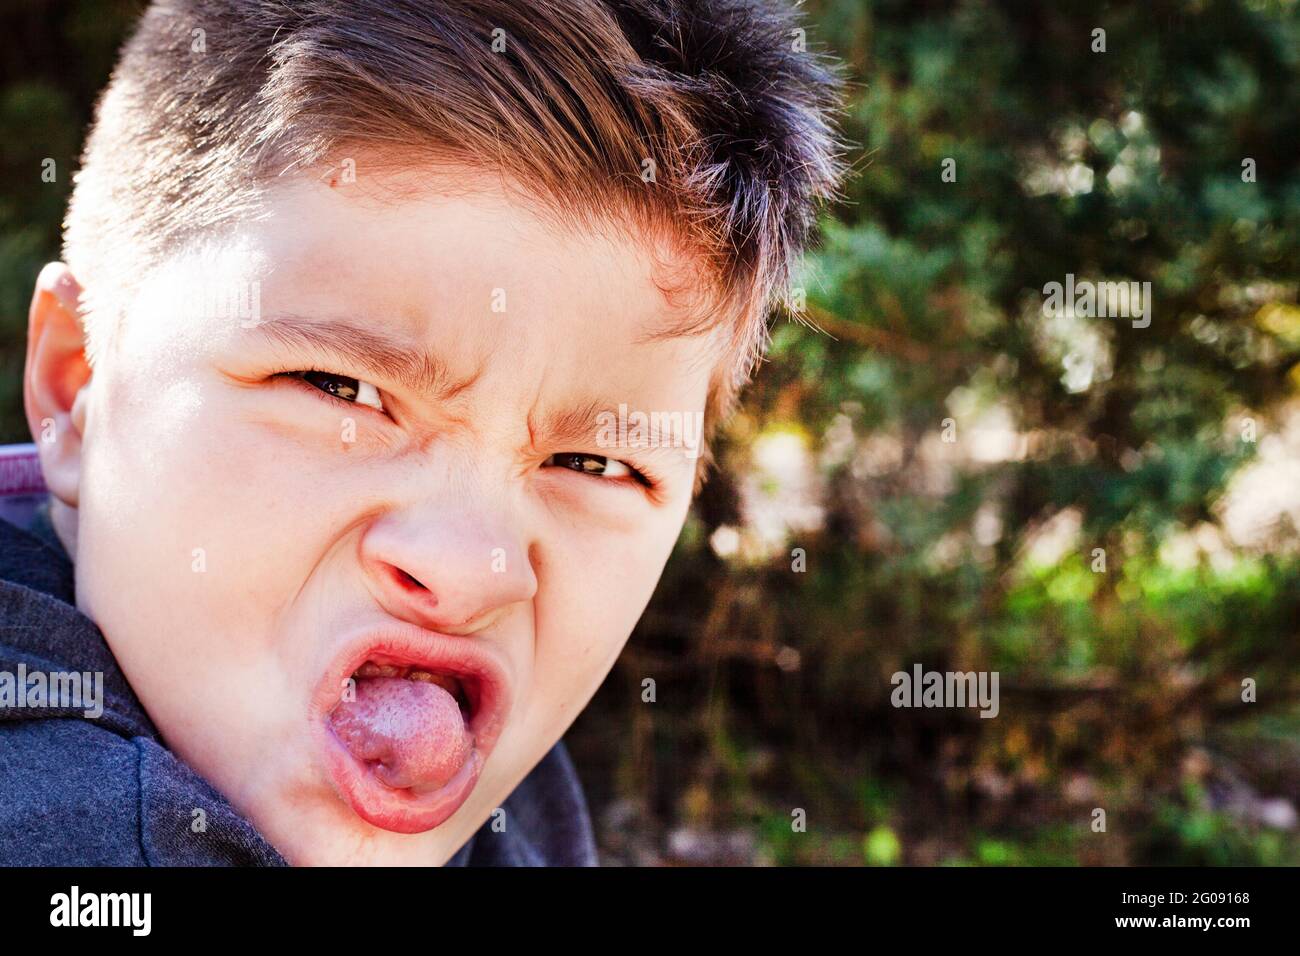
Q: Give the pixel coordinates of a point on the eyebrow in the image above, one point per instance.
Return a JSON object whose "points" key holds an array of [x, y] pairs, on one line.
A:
{"points": [[414, 367], [579, 426]]}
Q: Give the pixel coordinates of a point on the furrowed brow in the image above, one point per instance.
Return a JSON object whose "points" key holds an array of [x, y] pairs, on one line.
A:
{"points": [[580, 425], [576, 426], [411, 366]]}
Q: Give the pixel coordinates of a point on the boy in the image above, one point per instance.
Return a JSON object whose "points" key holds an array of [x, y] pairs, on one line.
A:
{"points": [[349, 290]]}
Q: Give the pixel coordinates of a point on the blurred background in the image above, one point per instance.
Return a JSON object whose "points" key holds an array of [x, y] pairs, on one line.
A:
{"points": [[929, 466]]}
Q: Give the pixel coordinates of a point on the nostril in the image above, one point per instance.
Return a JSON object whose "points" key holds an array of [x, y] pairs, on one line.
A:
{"points": [[407, 581]]}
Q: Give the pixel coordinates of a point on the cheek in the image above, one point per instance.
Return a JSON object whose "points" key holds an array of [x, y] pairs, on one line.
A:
{"points": [[175, 564], [187, 526], [593, 590]]}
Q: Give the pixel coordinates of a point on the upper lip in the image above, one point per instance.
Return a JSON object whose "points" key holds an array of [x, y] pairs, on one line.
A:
{"points": [[482, 674]]}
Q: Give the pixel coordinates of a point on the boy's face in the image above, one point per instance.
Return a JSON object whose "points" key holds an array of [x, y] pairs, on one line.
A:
{"points": [[274, 566]]}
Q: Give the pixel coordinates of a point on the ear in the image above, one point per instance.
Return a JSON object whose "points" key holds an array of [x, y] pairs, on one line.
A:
{"points": [[54, 382]]}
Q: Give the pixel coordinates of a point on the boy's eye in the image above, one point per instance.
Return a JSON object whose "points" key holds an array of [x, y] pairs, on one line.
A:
{"points": [[597, 465], [342, 387]]}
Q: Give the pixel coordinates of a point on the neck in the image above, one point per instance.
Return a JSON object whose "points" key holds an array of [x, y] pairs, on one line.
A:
{"points": [[64, 520]]}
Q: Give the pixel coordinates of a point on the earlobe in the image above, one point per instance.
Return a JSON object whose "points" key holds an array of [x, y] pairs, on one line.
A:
{"points": [[55, 379]]}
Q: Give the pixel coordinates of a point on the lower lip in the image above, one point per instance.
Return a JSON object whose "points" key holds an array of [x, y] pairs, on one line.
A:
{"points": [[401, 811]]}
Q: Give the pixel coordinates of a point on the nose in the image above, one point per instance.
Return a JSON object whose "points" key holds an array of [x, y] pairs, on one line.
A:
{"points": [[454, 569]]}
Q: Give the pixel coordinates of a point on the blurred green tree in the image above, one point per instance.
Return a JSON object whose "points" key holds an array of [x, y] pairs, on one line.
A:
{"points": [[1102, 512]]}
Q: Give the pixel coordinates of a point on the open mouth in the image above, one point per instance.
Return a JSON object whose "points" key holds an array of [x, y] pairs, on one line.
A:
{"points": [[407, 725]]}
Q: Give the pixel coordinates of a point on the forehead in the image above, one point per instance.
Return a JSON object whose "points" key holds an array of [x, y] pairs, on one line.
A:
{"points": [[424, 240], [468, 266]]}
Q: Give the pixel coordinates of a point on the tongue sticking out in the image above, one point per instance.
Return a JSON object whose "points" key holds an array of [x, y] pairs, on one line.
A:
{"points": [[411, 731]]}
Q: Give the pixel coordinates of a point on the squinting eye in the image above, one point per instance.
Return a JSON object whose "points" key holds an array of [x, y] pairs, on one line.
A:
{"points": [[342, 387], [597, 465]]}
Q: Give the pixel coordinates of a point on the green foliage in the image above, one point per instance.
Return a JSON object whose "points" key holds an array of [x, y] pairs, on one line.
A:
{"points": [[1121, 687]]}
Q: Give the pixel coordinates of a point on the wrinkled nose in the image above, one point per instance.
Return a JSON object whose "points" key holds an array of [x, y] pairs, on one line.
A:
{"points": [[448, 570]]}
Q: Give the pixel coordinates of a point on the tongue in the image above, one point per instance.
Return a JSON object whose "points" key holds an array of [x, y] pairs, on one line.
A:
{"points": [[412, 732]]}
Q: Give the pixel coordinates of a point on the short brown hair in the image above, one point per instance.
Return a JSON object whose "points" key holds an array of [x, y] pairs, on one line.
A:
{"points": [[212, 99]]}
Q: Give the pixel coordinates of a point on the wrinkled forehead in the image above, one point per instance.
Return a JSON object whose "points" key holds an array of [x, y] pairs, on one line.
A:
{"points": [[351, 219], [470, 262]]}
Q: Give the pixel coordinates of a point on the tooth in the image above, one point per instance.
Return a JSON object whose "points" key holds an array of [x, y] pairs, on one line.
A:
{"points": [[445, 681], [371, 669]]}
